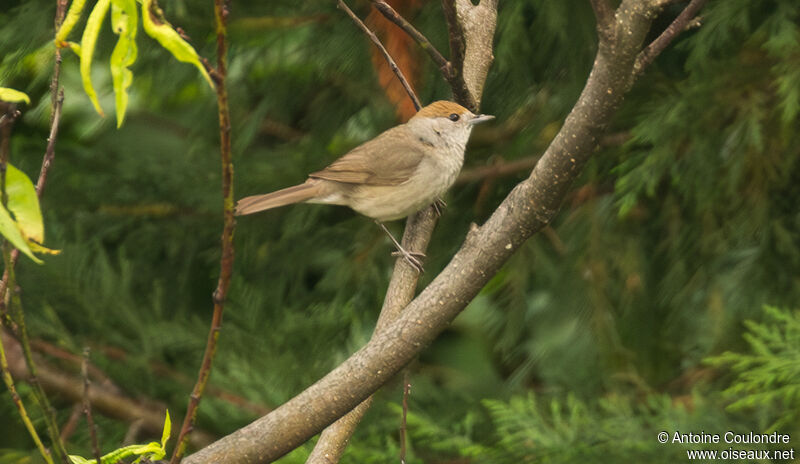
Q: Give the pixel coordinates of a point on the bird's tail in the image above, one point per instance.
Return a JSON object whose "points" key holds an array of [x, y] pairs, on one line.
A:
{"points": [[287, 196]]}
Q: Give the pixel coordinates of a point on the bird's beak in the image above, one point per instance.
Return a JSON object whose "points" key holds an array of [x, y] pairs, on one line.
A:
{"points": [[479, 118]]}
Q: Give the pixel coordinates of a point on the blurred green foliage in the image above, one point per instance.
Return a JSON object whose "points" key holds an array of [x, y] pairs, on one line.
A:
{"points": [[588, 342]]}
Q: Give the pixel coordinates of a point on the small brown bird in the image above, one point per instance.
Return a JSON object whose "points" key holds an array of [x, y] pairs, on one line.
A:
{"points": [[399, 172]]}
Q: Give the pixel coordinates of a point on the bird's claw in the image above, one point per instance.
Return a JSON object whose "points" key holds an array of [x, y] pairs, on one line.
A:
{"points": [[438, 206], [412, 257]]}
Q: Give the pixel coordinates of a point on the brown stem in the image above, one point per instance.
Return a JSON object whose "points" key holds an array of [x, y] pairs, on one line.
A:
{"points": [[403, 422], [226, 261], [385, 53], [8, 379], [455, 34], [680, 24], [87, 405]]}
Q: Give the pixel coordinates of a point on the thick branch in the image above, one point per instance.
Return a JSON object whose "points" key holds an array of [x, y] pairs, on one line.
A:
{"points": [[476, 24], [680, 24], [385, 53], [528, 208], [604, 16]]}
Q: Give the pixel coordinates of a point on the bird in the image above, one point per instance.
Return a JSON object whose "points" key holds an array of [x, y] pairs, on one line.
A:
{"points": [[399, 172]]}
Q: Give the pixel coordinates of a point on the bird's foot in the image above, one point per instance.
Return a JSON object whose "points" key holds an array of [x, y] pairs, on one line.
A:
{"points": [[412, 257], [438, 206]]}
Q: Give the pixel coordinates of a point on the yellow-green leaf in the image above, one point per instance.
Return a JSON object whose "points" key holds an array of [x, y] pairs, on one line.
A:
{"points": [[73, 15], [167, 430], [13, 96], [23, 202], [123, 21], [42, 250], [9, 230], [88, 41], [157, 27]]}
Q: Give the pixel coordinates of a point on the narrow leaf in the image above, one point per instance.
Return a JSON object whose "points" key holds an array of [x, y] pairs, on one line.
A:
{"points": [[73, 15], [13, 96], [88, 41], [167, 430], [23, 202], [157, 27], [123, 21]]}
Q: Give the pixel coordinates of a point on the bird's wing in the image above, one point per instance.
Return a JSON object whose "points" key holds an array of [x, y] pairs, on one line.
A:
{"points": [[392, 164]]}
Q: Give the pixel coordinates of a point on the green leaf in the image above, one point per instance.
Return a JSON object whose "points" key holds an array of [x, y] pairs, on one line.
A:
{"points": [[157, 27], [123, 21], [13, 96], [73, 15], [88, 41], [167, 430], [9, 230], [23, 202]]}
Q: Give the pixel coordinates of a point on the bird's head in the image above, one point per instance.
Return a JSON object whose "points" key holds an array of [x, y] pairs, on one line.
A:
{"points": [[446, 120]]}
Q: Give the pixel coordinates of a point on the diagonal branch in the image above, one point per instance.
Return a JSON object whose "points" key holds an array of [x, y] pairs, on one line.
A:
{"points": [[680, 24], [385, 53], [395, 17]]}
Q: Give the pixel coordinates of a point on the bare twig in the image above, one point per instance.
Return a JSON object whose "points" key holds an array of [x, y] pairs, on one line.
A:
{"points": [[11, 304], [107, 401], [87, 405], [455, 35], [403, 422], [23, 414], [392, 15], [385, 53], [456, 39], [680, 24], [226, 260]]}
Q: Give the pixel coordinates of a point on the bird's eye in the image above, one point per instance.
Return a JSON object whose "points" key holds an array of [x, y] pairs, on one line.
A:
{"points": [[453, 117]]}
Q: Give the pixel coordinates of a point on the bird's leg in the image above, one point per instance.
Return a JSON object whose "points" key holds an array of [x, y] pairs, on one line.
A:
{"points": [[413, 258], [439, 205]]}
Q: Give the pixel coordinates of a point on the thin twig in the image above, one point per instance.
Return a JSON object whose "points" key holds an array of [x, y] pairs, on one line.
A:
{"points": [[385, 53], [23, 414], [221, 12], [106, 400], [57, 100], [455, 36], [457, 39], [403, 422], [87, 405], [393, 16], [48, 412], [677, 26]]}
